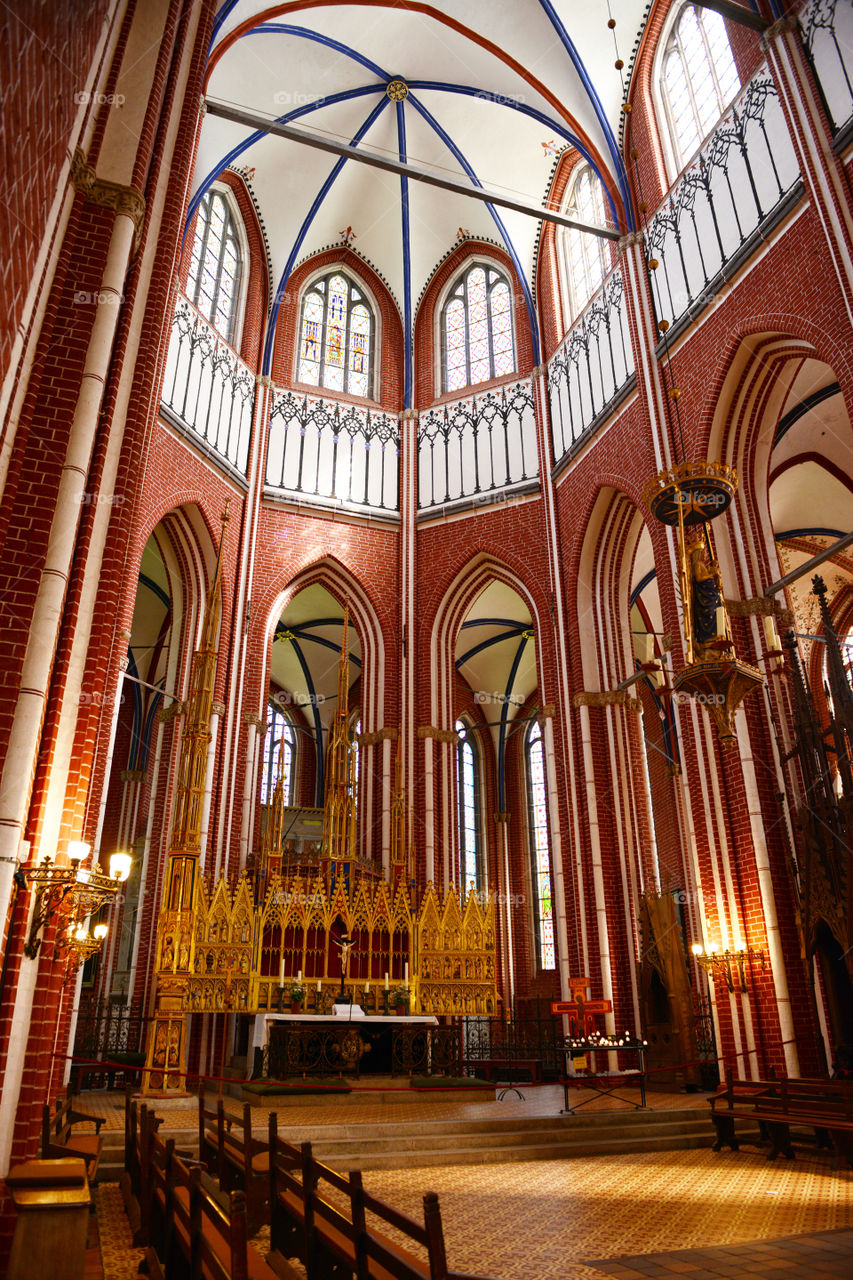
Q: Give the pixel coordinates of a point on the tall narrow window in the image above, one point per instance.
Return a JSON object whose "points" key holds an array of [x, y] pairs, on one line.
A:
{"points": [[543, 905], [476, 329], [467, 795], [699, 78], [279, 755], [584, 257], [214, 277], [336, 336]]}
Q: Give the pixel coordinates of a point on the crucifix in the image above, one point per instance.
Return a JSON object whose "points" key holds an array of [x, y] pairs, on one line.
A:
{"points": [[346, 945], [580, 1010]]}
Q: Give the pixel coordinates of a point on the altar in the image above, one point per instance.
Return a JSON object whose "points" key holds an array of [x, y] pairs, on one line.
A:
{"points": [[294, 1044]]}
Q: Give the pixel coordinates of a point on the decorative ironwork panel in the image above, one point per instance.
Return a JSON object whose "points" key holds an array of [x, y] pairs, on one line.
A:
{"points": [[739, 176], [592, 365], [476, 447], [333, 453], [512, 1040], [208, 388], [296, 1049], [112, 1031], [828, 34]]}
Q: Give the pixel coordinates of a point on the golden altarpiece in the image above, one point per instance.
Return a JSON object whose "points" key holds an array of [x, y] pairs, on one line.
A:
{"points": [[234, 945]]}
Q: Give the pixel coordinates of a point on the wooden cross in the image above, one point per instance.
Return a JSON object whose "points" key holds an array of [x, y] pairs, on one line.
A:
{"points": [[580, 1010]]}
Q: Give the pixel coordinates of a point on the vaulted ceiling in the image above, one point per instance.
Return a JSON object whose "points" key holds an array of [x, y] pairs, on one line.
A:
{"points": [[494, 91]]}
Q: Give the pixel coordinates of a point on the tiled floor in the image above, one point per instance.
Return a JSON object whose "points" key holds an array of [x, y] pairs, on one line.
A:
{"points": [[696, 1214]]}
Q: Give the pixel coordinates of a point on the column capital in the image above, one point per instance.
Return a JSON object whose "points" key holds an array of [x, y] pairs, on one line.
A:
{"points": [[388, 734], [778, 28], [249, 718], [217, 708], [629, 240], [166, 714], [134, 775], [409, 415], [264, 380], [540, 371], [608, 698], [502, 815], [108, 195], [440, 735]]}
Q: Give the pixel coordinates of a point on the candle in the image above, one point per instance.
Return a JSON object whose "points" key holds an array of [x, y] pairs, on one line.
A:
{"points": [[318, 986], [281, 973], [367, 986], [386, 981], [407, 973], [299, 976]]}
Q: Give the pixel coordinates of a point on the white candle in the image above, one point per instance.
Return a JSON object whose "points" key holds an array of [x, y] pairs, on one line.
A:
{"points": [[407, 973], [367, 986], [281, 973], [386, 981], [299, 976], [318, 986]]}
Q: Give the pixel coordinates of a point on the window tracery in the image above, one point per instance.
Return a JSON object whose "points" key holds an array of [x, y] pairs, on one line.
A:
{"points": [[698, 78], [583, 258], [279, 755], [213, 282], [476, 328], [540, 848], [468, 809]]}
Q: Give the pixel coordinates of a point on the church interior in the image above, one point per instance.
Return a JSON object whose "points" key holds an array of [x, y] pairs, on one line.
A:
{"points": [[426, 671]]}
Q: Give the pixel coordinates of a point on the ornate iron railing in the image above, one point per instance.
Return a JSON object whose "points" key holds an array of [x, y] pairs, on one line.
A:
{"points": [[739, 177], [828, 34], [108, 1031], [512, 1041], [592, 366], [331, 453], [208, 388], [477, 447]]}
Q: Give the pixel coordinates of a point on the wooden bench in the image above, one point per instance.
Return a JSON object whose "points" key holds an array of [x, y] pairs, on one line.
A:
{"points": [[240, 1161], [825, 1106], [335, 1241], [58, 1141]]}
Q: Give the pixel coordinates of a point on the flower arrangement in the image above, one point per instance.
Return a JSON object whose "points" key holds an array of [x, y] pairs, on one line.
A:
{"points": [[296, 992], [399, 996]]}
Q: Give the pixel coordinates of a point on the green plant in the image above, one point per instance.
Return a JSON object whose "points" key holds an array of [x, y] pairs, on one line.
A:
{"points": [[296, 992], [399, 995]]}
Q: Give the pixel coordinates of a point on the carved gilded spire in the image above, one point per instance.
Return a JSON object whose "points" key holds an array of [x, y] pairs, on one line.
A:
{"points": [[339, 806]]}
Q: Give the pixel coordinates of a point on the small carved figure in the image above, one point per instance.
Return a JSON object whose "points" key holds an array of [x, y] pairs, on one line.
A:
{"points": [[706, 595], [167, 958], [184, 954], [160, 1046], [175, 1044]]}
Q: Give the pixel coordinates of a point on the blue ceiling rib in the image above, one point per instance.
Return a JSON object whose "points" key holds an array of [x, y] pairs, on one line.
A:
{"points": [[258, 134], [505, 236], [641, 586], [494, 622], [219, 21], [487, 644], [810, 533], [408, 379], [305, 33], [321, 640], [303, 231], [155, 589], [510, 681], [542, 117], [601, 114]]}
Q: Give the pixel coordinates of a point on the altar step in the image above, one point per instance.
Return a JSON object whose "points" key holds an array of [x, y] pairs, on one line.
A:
{"points": [[403, 1145], [417, 1144]]}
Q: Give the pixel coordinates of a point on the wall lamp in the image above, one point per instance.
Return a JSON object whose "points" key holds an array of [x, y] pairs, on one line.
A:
{"points": [[725, 961], [78, 943], [88, 888]]}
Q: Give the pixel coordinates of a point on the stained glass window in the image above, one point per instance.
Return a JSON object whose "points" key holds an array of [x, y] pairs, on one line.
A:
{"points": [[467, 788], [543, 904], [476, 328], [336, 337], [699, 78], [279, 754], [584, 257], [213, 282]]}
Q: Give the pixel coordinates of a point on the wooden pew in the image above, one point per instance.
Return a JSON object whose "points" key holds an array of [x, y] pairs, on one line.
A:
{"points": [[244, 1162], [58, 1141], [207, 1235], [335, 1241], [826, 1106]]}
